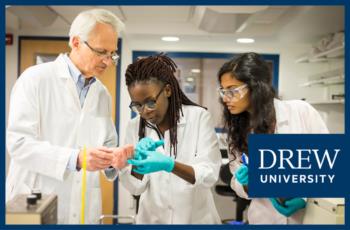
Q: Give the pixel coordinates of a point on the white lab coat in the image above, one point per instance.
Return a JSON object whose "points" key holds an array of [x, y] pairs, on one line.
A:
{"points": [[165, 197], [292, 116], [46, 124]]}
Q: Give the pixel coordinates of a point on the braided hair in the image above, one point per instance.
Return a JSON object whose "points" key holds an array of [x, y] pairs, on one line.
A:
{"points": [[160, 68]]}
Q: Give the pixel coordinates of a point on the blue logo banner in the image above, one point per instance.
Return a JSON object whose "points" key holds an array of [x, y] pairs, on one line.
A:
{"points": [[295, 165]]}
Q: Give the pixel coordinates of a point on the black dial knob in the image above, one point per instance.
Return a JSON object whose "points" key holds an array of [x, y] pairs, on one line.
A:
{"points": [[31, 199], [37, 193]]}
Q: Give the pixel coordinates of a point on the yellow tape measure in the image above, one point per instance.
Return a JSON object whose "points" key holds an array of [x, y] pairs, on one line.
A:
{"points": [[83, 189]]}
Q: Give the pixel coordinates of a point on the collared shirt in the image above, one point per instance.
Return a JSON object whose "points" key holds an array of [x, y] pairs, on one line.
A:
{"points": [[82, 82], [83, 85]]}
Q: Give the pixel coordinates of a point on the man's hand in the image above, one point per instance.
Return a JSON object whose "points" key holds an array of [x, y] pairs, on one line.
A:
{"points": [[121, 155], [96, 158]]}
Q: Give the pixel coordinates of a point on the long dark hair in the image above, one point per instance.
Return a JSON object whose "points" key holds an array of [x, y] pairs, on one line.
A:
{"points": [[251, 69], [160, 68]]}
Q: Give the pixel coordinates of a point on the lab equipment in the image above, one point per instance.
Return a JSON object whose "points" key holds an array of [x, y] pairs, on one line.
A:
{"points": [[154, 162], [29, 209], [289, 207], [324, 211], [245, 159], [118, 217]]}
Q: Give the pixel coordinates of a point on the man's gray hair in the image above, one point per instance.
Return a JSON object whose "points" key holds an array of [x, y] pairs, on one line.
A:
{"points": [[85, 22]]}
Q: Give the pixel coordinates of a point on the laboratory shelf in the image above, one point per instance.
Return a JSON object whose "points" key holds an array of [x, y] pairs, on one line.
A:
{"points": [[329, 102], [336, 52]]}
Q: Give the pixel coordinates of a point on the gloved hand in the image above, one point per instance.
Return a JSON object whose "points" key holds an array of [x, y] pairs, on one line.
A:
{"points": [[242, 175], [290, 206], [154, 162], [146, 144]]}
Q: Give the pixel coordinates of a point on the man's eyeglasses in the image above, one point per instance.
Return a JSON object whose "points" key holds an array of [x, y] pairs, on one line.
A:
{"points": [[149, 104], [234, 94], [104, 54]]}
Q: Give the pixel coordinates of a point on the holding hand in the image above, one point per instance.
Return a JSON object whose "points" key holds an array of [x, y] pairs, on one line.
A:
{"points": [[121, 155], [146, 144], [96, 158], [242, 175], [289, 207], [153, 162]]}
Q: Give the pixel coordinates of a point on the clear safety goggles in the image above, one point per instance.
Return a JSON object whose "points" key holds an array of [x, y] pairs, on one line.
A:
{"points": [[234, 94]]}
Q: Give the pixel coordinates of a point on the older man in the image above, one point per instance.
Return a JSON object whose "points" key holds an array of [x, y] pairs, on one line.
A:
{"points": [[58, 108]]}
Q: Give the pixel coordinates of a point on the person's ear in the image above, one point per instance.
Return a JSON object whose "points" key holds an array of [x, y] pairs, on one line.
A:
{"points": [[75, 42], [167, 90]]}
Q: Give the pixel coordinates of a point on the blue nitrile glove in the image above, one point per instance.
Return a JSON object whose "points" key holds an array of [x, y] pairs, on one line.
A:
{"points": [[154, 162], [146, 144], [242, 175], [289, 207]]}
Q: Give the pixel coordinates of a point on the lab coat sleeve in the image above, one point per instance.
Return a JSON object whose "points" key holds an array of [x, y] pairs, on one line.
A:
{"points": [[235, 185], [312, 119], [111, 141], [207, 159], [110, 173], [23, 133], [131, 183], [112, 137]]}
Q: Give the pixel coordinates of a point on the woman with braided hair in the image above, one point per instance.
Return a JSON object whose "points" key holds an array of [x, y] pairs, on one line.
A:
{"points": [[177, 158]]}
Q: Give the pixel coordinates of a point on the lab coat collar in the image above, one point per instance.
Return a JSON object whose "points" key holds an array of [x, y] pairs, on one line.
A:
{"points": [[62, 69], [281, 113], [73, 70], [76, 74], [182, 120]]}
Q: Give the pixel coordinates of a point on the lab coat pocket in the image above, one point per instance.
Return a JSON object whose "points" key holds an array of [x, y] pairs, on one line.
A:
{"points": [[183, 189]]}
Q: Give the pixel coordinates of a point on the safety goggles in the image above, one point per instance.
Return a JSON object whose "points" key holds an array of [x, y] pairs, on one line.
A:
{"points": [[149, 105], [234, 94]]}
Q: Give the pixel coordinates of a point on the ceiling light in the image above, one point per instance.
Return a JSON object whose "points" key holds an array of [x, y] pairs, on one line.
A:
{"points": [[245, 40], [189, 79], [195, 70], [170, 39]]}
